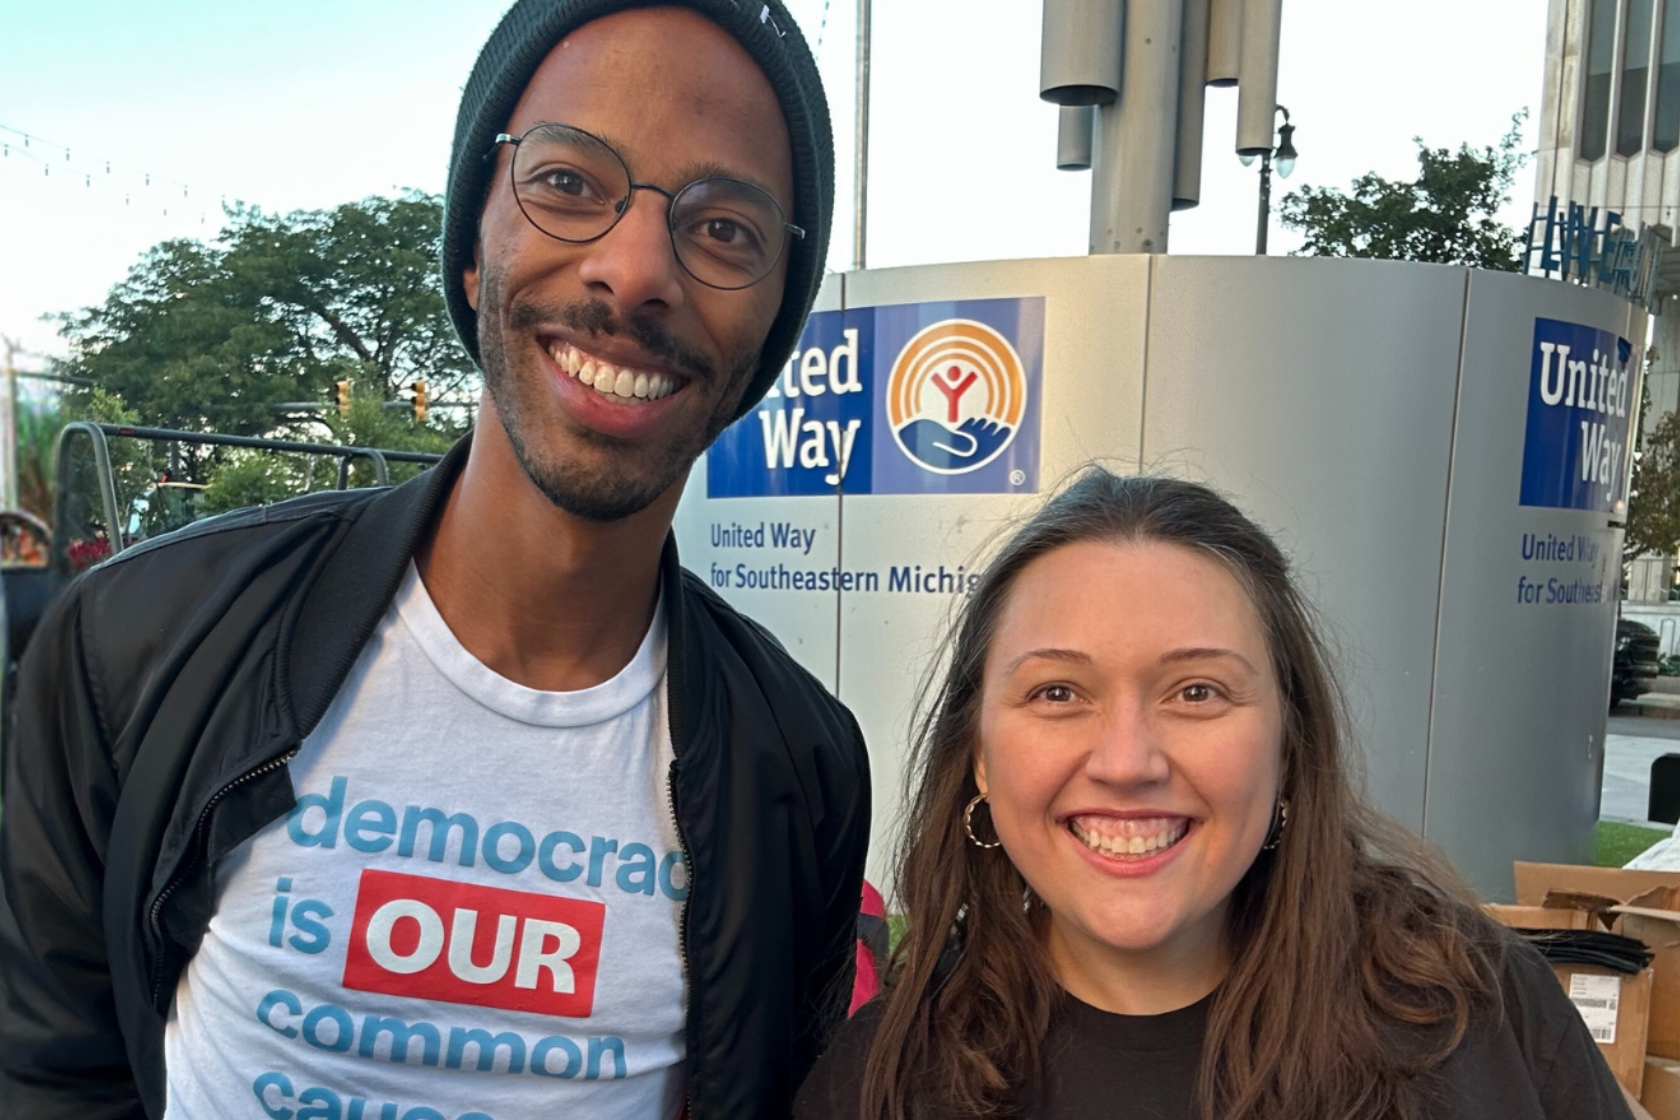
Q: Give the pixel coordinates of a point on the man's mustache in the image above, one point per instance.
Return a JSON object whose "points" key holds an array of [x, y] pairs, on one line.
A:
{"points": [[595, 318]]}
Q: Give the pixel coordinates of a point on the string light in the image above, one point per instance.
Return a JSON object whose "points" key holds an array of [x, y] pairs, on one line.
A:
{"points": [[88, 168]]}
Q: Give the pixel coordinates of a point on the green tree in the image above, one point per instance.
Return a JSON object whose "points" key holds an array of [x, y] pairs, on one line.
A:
{"points": [[37, 437], [1447, 215], [256, 478], [219, 336], [1653, 523]]}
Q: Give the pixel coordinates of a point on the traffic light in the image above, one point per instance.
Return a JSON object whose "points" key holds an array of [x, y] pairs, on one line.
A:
{"points": [[344, 397], [419, 402]]}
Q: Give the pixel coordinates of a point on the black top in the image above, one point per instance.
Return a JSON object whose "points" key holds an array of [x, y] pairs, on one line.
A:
{"points": [[1533, 1062]]}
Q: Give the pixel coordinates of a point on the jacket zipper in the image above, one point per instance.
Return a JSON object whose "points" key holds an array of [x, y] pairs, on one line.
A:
{"points": [[682, 923], [181, 874]]}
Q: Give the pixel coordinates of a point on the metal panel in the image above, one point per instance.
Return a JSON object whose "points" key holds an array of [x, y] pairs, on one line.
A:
{"points": [[1323, 405], [806, 622], [1615, 184], [1521, 691], [1092, 408]]}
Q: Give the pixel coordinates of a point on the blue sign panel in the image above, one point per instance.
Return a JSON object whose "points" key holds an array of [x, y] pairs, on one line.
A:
{"points": [[1575, 454], [952, 406], [811, 434]]}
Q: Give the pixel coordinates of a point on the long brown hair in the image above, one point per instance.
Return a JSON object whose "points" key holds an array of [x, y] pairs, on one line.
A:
{"points": [[1343, 936]]}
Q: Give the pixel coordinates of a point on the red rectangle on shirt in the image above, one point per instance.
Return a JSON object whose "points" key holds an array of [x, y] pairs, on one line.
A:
{"points": [[461, 943]]}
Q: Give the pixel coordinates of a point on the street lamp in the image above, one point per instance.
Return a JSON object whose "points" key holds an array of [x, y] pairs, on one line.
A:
{"points": [[1285, 156]]}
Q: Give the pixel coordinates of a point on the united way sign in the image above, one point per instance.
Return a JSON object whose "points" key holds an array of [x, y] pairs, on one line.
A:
{"points": [[914, 398], [1575, 452]]}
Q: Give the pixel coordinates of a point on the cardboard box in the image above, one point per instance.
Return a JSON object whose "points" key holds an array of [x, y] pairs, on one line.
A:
{"points": [[1654, 918], [1616, 1007], [1534, 880], [1648, 909], [1541, 917], [1661, 1092], [1621, 1028]]}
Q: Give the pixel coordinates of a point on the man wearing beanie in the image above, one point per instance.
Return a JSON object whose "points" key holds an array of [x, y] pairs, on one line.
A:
{"points": [[462, 800]]}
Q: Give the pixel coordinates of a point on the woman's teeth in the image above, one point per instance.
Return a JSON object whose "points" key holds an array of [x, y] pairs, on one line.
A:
{"points": [[1132, 838], [617, 383]]}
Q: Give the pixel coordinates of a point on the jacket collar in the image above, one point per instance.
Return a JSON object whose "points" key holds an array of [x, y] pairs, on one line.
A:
{"points": [[353, 587]]}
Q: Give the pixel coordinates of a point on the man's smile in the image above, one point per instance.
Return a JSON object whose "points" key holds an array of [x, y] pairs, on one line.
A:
{"points": [[621, 384]]}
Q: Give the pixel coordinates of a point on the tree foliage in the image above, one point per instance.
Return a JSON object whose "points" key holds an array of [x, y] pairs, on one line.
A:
{"points": [[1653, 523], [219, 336], [248, 335], [37, 434], [1447, 215], [258, 478]]}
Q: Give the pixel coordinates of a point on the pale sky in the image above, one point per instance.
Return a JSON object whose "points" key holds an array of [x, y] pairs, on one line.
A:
{"points": [[315, 102]]}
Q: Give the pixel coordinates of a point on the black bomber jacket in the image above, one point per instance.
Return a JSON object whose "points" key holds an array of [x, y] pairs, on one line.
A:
{"points": [[164, 693]]}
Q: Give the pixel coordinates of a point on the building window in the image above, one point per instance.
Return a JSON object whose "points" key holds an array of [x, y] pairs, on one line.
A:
{"points": [[1636, 73], [1666, 135], [1601, 63]]}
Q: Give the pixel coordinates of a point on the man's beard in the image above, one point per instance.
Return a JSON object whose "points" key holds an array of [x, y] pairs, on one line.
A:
{"points": [[636, 476]]}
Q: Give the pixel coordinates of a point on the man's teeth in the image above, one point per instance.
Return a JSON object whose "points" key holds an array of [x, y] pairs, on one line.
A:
{"points": [[1130, 837], [620, 383]]}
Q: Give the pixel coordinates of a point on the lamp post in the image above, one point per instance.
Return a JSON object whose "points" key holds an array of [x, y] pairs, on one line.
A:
{"points": [[1285, 155]]}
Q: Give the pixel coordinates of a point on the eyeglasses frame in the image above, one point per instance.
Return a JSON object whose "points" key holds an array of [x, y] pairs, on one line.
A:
{"points": [[622, 206]]}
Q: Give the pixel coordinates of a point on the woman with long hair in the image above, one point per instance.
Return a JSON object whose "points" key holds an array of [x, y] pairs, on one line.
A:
{"points": [[1137, 880]]}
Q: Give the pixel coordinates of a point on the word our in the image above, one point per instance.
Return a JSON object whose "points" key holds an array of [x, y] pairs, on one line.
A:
{"points": [[402, 945]]}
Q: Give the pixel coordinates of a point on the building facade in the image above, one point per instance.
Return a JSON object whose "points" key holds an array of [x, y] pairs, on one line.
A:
{"points": [[1609, 143]]}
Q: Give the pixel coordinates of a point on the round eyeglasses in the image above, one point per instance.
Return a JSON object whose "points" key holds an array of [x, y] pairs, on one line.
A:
{"points": [[574, 187]]}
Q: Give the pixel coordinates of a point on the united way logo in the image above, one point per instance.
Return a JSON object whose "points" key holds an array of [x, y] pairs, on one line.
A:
{"points": [[955, 396], [913, 398], [1583, 392]]}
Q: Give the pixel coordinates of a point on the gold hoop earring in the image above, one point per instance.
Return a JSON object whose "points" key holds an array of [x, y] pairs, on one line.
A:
{"points": [[968, 824], [1280, 821]]}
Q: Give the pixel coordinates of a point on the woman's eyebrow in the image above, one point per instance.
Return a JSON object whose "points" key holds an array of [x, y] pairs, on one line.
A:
{"points": [[1070, 655], [1202, 653]]}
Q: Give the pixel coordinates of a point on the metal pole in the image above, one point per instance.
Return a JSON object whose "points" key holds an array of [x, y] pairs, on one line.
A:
{"points": [[95, 434], [860, 154], [8, 429], [1265, 204], [1192, 104], [1132, 157]]}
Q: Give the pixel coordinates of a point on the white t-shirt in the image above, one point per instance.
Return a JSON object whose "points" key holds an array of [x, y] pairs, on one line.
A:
{"points": [[472, 914]]}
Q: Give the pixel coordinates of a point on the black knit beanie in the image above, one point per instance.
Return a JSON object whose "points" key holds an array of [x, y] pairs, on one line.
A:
{"points": [[517, 47]]}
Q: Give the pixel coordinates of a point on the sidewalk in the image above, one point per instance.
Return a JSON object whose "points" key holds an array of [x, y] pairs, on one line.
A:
{"points": [[1625, 794], [1652, 705]]}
